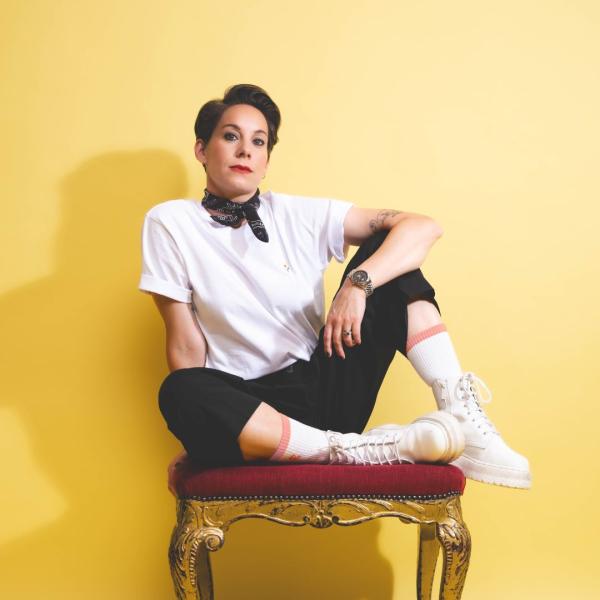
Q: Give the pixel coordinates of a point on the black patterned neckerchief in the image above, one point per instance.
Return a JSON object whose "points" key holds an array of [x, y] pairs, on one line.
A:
{"points": [[235, 212]]}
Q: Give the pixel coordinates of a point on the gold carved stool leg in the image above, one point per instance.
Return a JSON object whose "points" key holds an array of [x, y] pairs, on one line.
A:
{"points": [[189, 557], [429, 549], [455, 539]]}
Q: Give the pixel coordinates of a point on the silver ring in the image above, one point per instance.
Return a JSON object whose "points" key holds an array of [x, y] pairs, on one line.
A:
{"points": [[347, 332]]}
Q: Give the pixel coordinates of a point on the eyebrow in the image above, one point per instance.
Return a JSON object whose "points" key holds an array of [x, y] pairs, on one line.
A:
{"points": [[236, 127]]}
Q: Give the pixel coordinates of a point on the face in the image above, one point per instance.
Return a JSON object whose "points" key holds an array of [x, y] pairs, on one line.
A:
{"points": [[240, 138]]}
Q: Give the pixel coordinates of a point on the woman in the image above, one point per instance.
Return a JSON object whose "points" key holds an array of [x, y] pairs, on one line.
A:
{"points": [[257, 373]]}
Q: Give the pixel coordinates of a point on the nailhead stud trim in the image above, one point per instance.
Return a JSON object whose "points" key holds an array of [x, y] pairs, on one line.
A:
{"points": [[330, 497]]}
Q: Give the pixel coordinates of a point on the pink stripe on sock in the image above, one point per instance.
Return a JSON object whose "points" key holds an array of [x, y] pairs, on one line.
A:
{"points": [[423, 335], [285, 439]]}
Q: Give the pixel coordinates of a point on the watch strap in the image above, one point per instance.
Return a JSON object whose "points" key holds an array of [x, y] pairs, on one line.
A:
{"points": [[367, 286]]}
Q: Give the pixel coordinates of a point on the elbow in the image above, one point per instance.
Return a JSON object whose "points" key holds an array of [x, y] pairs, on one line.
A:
{"points": [[178, 358], [432, 230], [436, 229]]}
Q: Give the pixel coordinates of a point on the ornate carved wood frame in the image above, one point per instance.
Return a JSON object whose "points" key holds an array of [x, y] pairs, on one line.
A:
{"points": [[202, 523]]}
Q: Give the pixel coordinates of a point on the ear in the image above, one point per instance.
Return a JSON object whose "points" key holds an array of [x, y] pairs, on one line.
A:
{"points": [[199, 151]]}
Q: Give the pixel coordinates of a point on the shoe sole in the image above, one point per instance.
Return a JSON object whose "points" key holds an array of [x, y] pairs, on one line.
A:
{"points": [[485, 473], [452, 430]]}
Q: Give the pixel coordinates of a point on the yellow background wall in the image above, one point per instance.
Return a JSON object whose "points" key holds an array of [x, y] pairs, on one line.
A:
{"points": [[483, 115]]}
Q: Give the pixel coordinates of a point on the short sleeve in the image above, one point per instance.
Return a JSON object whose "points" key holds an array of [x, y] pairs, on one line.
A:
{"points": [[163, 267], [331, 243]]}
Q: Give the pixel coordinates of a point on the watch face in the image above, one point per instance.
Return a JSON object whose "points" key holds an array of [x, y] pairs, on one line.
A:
{"points": [[360, 276]]}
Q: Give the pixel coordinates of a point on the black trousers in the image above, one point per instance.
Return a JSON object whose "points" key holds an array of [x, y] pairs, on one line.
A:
{"points": [[206, 408]]}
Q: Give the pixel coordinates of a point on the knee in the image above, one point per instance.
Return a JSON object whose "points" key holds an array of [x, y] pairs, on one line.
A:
{"points": [[193, 386], [173, 383], [176, 386]]}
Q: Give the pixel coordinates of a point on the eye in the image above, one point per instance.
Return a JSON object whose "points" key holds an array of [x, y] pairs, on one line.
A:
{"points": [[262, 142], [228, 133]]}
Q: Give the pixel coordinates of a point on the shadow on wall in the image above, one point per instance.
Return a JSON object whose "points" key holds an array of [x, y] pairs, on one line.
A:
{"points": [[84, 445]]}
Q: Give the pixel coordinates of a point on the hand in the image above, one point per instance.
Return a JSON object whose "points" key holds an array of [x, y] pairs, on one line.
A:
{"points": [[345, 314], [171, 468]]}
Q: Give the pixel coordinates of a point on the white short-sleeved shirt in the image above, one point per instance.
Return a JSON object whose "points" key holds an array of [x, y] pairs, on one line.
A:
{"points": [[259, 305]]}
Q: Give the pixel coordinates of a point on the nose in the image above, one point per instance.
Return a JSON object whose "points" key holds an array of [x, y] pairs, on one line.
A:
{"points": [[244, 149]]}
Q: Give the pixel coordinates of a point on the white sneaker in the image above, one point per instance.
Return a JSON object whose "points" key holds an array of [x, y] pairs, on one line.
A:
{"points": [[433, 438], [487, 457]]}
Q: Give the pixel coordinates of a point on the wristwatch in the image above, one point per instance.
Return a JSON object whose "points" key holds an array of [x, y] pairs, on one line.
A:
{"points": [[361, 279]]}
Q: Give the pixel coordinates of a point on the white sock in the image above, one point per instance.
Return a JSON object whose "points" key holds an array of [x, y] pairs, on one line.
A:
{"points": [[432, 354], [301, 443]]}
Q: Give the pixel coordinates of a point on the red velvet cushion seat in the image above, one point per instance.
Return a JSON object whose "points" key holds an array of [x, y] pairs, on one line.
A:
{"points": [[187, 480]]}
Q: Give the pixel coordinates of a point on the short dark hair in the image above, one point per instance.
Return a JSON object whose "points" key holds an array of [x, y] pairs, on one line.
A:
{"points": [[241, 93]]}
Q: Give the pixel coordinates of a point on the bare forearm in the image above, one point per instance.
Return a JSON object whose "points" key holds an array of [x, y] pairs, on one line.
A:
{"points": [[404, 249]]}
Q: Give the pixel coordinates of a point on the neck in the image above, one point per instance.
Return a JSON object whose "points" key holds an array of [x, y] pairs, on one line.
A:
{"points": [[240, 199]]}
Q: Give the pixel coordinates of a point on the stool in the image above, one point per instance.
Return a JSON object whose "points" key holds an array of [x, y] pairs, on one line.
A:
{"points": [[209, 500]]}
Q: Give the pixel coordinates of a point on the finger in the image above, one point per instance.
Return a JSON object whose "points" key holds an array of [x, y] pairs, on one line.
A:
{"points": [[337, 340], [327, 339], [356, 331], [348, 339]]}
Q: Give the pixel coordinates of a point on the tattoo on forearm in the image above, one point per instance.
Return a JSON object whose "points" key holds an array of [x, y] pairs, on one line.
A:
{"points": [[377, 223]]}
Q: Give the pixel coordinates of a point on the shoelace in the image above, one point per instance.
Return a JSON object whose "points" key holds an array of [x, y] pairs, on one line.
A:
{"points": [[467, 390], [373, 450]]}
